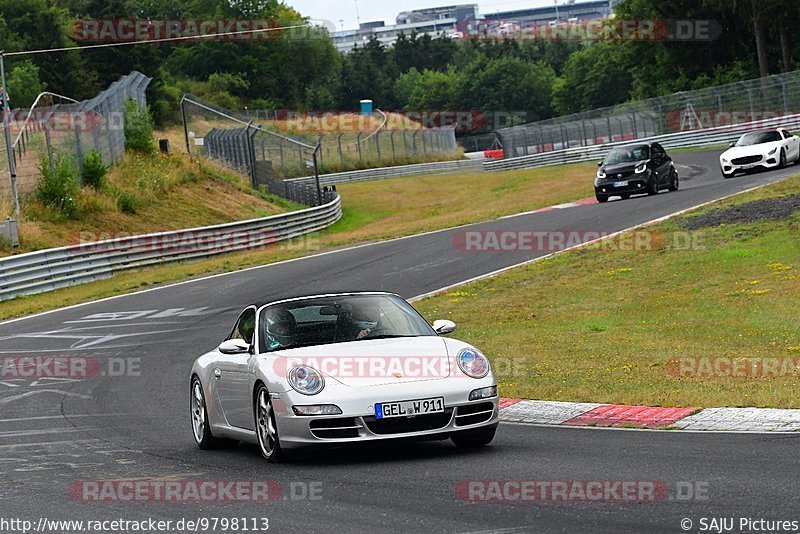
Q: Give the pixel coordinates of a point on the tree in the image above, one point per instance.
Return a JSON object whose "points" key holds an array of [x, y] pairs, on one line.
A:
{"points": [[596, 77], [24, 85]]}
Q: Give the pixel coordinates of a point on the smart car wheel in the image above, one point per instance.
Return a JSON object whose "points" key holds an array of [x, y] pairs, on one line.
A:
{"points": [[474, 438], [783, 159], [652, 187], [725, 174], [200, 427], [601, 199], [266, 428], [675, 181]]}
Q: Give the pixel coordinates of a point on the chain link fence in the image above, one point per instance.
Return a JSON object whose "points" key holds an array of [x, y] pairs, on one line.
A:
{"points": [[727, 105], [220, 135], [74, 129], [343, 141]]}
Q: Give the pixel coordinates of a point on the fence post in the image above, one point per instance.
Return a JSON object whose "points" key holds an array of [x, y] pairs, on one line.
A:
{"points": [[48, 143], [316, 177], [378, 144], [280, 147], [185, 127], [358, 143], [341, 154], [391, 139], [79, 152]]}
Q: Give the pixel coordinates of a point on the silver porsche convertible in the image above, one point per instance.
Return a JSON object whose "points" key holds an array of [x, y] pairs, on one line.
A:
{"points": [[339, 369]]}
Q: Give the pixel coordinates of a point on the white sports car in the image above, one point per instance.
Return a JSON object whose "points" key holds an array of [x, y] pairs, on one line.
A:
{"points": [[765, 149], [338, 369]]}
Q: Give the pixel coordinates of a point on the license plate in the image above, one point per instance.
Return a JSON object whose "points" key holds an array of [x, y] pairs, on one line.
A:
{"points": [[620, 184], [386, 410]]}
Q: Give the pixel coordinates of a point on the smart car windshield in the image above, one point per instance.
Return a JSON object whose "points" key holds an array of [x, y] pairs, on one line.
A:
{"points": [[339, 319], [628, 155], [757, 138]]}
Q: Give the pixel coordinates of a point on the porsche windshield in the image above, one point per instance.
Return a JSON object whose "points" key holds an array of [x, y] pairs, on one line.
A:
{"points": [[340, 319], [757, 138], [628, 155]]}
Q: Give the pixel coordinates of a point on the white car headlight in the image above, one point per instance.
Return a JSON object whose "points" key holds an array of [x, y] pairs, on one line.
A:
{"points": [[473, 363], [601, 174], [305, 380], [641, 168], [771, 152]]}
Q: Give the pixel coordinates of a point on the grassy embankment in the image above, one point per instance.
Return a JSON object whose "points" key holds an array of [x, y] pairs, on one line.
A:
{"points": [[614, 326]]}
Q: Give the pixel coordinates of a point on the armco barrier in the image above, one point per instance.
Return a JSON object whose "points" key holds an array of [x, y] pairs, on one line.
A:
{"points": [[697, 138], [465, 165], [46, 270]]}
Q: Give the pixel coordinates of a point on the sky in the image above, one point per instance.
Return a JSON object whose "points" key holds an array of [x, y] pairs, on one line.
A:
{"points": [[336, 11]]}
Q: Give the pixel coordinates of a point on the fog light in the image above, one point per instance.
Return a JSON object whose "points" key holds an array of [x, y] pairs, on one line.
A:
{"points": [[483, 393], [317, 409], [639, 184]]}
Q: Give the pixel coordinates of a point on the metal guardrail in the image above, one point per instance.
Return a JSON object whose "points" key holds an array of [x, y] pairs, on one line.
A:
{"points": [[47, 270], [396, 172], [697, 138]]}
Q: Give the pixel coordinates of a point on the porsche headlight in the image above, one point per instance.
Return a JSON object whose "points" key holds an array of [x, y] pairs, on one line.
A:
{"points": [[771, 152], [641, 168], [305, 380], [473, 363], [601, 174]]}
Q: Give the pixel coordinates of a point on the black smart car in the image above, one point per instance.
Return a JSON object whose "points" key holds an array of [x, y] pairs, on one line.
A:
{"points": [[633, 170]]}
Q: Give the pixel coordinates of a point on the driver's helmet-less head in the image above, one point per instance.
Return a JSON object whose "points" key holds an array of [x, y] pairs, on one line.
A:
{"points": [[366, 315], [281, 327]]}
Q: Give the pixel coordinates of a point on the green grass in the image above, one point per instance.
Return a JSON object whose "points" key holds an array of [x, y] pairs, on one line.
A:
{"points": [[602, 325]]}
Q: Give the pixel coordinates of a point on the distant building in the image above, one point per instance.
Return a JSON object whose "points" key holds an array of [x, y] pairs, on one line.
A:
{"points": [[452, 20]]}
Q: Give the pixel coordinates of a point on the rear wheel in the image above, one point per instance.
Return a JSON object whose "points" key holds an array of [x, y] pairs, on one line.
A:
{"points": [[200, 427], [474, 438], [266, 427]]}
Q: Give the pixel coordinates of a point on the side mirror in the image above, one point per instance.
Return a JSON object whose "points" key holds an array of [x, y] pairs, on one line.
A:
{"points": [[733, 144], [234, 346], [444, 327], [600, 163]]}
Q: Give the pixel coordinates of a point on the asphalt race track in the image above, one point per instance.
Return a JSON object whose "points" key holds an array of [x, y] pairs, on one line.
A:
{"points": [[56, 432]]}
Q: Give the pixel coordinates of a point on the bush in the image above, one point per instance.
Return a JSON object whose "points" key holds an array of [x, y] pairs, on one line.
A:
{"points": [[59, 185], [94, 170], [138, 128], [126, 203]]}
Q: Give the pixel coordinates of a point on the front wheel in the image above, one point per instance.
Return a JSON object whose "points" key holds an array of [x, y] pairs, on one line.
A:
{"points": [[266, 427], [726, 175], [200, 427], [601, 199], [652, 187], [783, 162], [675, 181], [474, 438]]}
